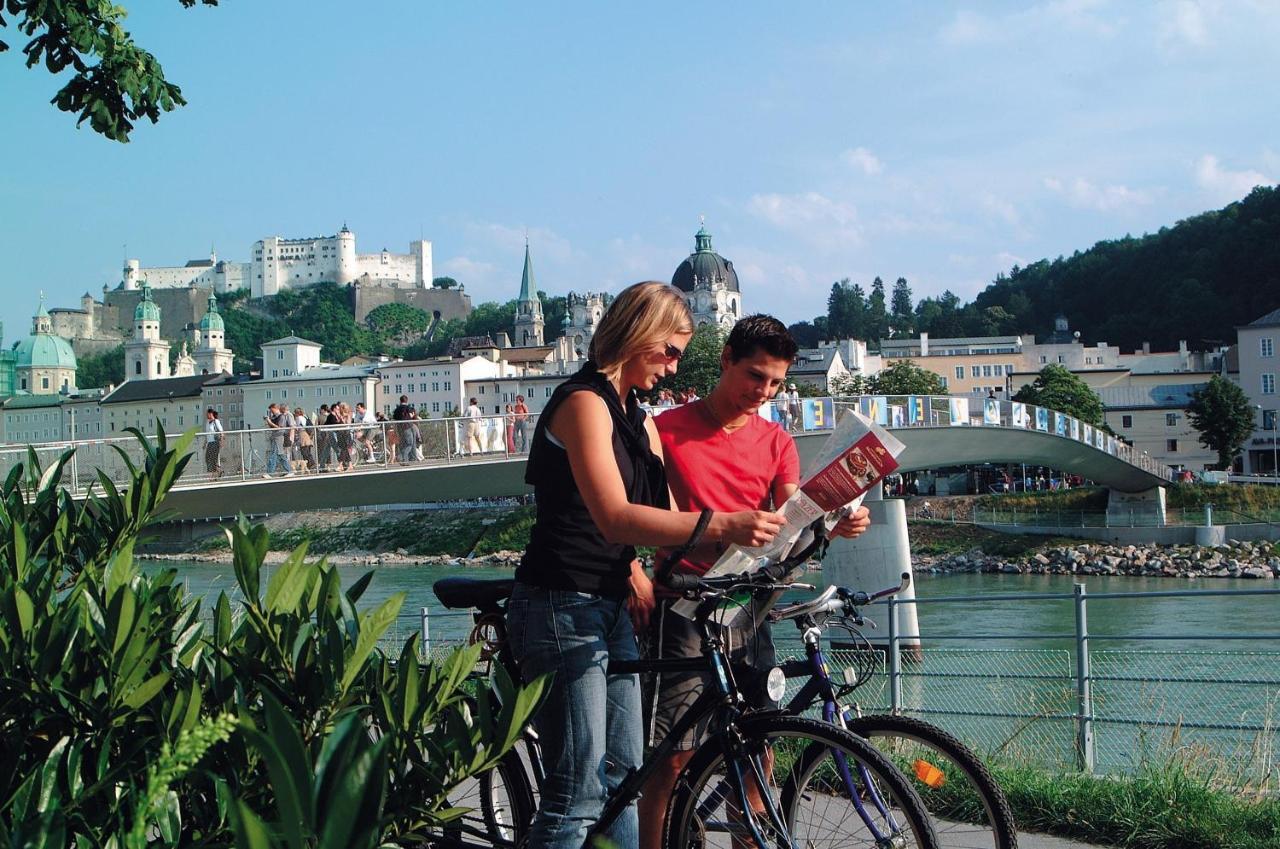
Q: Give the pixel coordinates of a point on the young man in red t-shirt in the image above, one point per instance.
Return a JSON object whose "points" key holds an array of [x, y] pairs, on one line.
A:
{"points": [[721, 454]]}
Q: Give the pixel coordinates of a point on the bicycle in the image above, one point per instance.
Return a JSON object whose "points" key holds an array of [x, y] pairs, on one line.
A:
{"points": [[847, 790], [966, 803]]}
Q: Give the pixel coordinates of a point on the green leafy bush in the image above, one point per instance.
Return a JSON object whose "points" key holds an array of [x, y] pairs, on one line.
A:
{"points": [[129, 717]]}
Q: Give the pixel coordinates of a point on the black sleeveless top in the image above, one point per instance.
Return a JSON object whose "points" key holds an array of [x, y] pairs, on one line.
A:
{"points": [[566, 549]]}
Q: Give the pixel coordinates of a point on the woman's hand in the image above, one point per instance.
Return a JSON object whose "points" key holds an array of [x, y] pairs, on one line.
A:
{"points": [[853, 525], [751, 528], [641, 602]]}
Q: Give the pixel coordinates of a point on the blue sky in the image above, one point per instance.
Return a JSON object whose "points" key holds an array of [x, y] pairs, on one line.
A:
{"points": [[936, 141]]}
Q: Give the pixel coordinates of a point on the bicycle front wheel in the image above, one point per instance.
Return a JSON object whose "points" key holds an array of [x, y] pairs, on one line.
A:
{"points": [[968, 808], [495, 806], [850, 796]]}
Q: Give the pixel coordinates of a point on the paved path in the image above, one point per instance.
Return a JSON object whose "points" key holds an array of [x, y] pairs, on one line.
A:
{"points": [[1044, 841]]}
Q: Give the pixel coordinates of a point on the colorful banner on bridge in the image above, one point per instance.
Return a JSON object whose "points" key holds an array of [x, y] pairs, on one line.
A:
{"points": [[817, 414], [896, 415], [917, 412], [1042, 419], [990, 411], [876, 408], [1018, 414], [1060, 423], [959, 409], [1075, 429]]}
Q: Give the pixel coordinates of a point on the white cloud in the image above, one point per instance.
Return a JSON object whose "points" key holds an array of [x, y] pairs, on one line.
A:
{"points": [[1185, 24], [1091, 17], [1001, 208], [1005, 260], [543, 241], [1084, 194], [864, 160], [1224, 185], [468, 269], [816, 217]]}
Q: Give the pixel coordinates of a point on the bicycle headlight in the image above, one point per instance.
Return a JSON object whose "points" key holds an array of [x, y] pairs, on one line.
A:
{"points": [[776, 684]]}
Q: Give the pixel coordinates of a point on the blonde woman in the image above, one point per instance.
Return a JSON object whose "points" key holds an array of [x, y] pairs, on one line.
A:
{"points": [[601, 490]]}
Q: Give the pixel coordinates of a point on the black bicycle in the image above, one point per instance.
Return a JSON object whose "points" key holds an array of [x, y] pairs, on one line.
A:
{"points": [[727, 795], [968, 808]]}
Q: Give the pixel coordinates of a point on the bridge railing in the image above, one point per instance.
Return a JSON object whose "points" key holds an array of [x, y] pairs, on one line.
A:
{"points": [[257, 453], [898, 411], [252, 453]]}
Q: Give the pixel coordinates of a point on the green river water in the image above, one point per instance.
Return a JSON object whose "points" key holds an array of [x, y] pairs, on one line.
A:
{"points": [[1212, 700]]}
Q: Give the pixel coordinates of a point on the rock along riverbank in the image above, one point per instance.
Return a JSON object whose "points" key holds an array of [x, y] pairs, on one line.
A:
{"points": [[1249, 560]]}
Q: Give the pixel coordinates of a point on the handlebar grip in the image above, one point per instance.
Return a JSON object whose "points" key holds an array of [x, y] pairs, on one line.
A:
{"points": [[681, 581]]}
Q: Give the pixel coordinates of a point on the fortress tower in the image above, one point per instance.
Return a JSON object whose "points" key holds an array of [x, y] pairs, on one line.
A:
{"points": [[146, 355]]}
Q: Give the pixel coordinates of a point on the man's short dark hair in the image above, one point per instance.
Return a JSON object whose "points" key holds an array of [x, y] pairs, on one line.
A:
{"points": [[764, 333], [404, 399]]}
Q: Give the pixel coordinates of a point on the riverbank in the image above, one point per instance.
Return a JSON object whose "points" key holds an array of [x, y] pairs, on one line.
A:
{"points": [[494, 537]]}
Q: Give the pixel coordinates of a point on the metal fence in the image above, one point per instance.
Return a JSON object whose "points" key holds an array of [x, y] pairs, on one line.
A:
{"points": [[1069, 700], [1124, 517], [1096, 708]]}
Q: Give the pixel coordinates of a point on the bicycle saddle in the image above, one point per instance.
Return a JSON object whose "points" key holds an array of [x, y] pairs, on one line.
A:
{"points": [[456, 593]]}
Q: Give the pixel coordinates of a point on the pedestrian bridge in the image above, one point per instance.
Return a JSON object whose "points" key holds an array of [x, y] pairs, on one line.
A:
{"points": [[485, 462]]}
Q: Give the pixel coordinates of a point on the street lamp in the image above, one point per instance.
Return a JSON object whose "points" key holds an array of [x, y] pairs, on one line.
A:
{"points": [[1275, 472]]}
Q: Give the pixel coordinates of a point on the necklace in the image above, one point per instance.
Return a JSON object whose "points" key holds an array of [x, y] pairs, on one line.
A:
{"points": [[705, 403]]}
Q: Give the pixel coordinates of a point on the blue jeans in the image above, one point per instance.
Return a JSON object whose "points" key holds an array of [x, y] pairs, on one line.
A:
{"points": [[590, 725], [278, 456]]}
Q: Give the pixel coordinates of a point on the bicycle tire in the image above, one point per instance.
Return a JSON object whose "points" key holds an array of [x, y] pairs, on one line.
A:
{"points": [[501, 806], [691, 820], [954, 810]]}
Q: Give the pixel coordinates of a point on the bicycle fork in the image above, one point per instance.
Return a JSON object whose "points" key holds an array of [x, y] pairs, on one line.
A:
{"points": [[833, 714]]}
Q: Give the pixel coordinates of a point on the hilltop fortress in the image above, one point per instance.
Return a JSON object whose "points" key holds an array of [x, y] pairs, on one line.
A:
{"points": [[277, 264]]}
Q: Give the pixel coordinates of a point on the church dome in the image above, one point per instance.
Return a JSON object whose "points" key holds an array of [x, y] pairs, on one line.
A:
{"points": [[44, 350], [147, 309], [212, 319], [704, 267]]}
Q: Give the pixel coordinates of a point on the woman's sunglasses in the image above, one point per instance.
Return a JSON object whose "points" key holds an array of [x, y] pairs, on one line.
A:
{"points": [[672, 352]]}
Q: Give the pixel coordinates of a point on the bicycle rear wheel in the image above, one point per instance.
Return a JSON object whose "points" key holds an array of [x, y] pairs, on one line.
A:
{"points": [[807, 807], [968, 808], [499, 806]]}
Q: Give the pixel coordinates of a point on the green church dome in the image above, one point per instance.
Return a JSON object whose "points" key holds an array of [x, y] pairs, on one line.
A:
{"points": [[704, 266], [212, 319], [44, 350], [147, 309]]}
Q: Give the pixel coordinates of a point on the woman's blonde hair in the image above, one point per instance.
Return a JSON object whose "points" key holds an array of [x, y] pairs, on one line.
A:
{"points": [[642, 314]]}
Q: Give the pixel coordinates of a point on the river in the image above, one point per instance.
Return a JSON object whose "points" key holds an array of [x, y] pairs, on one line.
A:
{"points": [[1215, 699]]}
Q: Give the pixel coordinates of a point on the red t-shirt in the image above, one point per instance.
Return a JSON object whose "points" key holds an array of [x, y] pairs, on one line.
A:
{"points": [[728, 472]]}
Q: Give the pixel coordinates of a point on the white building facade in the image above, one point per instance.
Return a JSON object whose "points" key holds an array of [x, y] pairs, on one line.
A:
{"points": [[277, 263]]}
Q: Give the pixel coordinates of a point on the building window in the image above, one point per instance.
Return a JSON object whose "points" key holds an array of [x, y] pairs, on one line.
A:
{"points": [[1268, 384], [1267, 348], [137, 369], [998, 370], [986, 371], [944, 383], [1043, 359], [280, 354], [448, 385], [1170, 419], [975, 371], [1062, 358], [1126, 421], [1008, 368], [1171, 445], [959, 372], [44, 383], [435, 406]]}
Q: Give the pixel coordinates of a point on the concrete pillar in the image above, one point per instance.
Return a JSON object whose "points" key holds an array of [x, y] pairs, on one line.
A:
{"points": [[1145, 509], [875, 561]]}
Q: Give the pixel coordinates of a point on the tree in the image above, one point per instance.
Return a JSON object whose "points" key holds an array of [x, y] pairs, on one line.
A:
{"points": [[857, 303], [850, 383], [877, 326], [444, 283], [96, 371], [838, 308], [554, 310], [805, 334], [1058, 389], [398, 324], [114, 82], [900, 307], [906, 378], [1221, 411], [700, 365]]}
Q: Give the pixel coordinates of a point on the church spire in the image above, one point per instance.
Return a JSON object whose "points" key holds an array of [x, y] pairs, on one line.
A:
{"points": [[528, 289]]}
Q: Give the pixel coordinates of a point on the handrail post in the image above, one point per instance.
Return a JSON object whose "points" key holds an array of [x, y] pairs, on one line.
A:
{"points": [[895, 659], [426, 633], [1084, 684], [242, 473]]}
